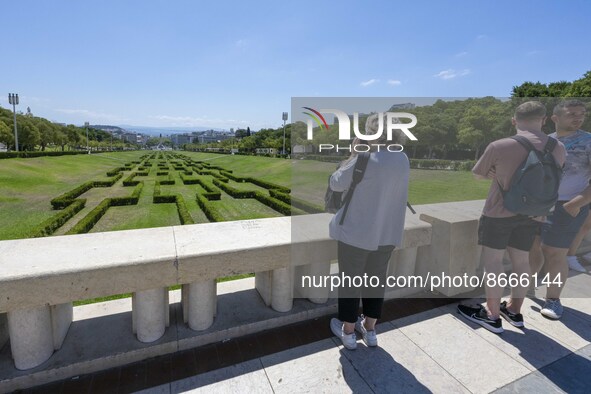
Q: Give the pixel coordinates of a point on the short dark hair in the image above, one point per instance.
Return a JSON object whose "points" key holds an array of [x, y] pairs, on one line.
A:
{"points": [[530, 110], [564, 104]]}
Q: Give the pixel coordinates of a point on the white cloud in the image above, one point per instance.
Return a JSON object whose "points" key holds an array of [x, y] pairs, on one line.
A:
{"points": [[369, 82], [481, 36], [394, 82], [461, 54], [451, 73]]}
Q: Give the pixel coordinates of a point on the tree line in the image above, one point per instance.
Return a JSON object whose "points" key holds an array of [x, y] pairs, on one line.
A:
{"points": [[461, 129], [457, 129], [35, 133]]}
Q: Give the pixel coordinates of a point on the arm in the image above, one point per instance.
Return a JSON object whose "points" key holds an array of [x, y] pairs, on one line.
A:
{"points": [[341, 179], [485, 167], [573, 206]]}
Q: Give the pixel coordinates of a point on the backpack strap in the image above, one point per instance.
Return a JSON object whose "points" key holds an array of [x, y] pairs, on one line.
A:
{"points": [[525, 142], [358, 172], [550, 145]]}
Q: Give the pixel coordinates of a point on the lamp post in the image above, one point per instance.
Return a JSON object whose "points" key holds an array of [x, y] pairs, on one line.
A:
{"points": [[13, 99], [86, 124], [284, 117]]}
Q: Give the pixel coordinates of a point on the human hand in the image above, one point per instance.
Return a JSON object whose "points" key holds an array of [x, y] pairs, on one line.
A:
{"points": [[572, 209], [492, 174]]}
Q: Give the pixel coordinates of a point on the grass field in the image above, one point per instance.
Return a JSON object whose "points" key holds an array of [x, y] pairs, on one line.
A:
{"points": [[27, 186]]}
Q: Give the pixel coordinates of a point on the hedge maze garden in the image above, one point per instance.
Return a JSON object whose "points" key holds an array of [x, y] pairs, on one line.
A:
{"points": [[201, 192]]}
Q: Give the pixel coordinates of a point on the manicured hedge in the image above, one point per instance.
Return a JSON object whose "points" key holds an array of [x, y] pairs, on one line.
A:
{"points": [[184, 214], [49, 226], [181, 207], [208, 186], [108, 182], [27, 154], [273, 203], [296, 202], [228, 174], [130, 200], [210, 212], [129, 181], [233, 191], [268, 185], [188, 180], [169, 181], [160, 173], [88, 222], [66, 199], [114, 171], [453, 165]]}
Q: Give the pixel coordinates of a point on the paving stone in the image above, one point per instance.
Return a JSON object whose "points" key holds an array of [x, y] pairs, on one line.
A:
{"points": [[398, 365], [571, 330], [457, 348], [533, 383], [523, 345], [246, 377], [572, 373], [320, 367]]}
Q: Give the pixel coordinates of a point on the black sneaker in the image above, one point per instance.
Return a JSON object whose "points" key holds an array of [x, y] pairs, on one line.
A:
{"points": [[478, 315], [515, 319]]}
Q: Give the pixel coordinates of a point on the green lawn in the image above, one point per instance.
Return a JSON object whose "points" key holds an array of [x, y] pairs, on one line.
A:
{"points": [[27, 186]]}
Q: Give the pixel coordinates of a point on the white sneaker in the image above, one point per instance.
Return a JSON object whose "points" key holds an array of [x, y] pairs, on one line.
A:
{"points": [[586, 257], [349, 340], [573, 263], [552, 309], [369, 337]]}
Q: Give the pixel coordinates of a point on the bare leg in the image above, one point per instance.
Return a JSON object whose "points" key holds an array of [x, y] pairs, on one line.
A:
{"points": [[521, 266], [557, 268], [585, 228], [536, 257], [348, 328], [492, 259], [370, 323]]}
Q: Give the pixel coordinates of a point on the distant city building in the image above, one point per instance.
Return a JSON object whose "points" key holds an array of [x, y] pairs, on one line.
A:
{"points": [[397, 107], [266, 151], [129, 137], [181, 139], [299, 149]]}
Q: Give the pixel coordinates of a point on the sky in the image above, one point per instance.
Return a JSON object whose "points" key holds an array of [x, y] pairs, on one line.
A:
{"points": [[237, 64]]}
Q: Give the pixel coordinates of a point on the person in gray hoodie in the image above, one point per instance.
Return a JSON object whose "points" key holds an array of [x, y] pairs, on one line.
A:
{"points": [[373, 227]]}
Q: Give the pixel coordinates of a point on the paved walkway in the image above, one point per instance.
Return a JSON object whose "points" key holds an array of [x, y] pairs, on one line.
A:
{"points": [[432, 351]]}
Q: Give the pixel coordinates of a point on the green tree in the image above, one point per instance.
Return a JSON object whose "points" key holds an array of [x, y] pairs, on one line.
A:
{"points": [[46, 132], [28, 134], [581, 87], [6, 136]]}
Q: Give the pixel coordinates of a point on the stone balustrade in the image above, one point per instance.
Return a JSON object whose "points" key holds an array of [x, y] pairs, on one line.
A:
{"points": [[39, 278]]}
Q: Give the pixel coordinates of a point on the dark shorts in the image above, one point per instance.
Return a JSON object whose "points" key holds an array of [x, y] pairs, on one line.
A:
{"points": [[516, 231], [560, 229]]}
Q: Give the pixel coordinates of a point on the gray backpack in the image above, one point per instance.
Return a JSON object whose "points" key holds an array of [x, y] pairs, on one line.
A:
{"points": [[533, 190]]}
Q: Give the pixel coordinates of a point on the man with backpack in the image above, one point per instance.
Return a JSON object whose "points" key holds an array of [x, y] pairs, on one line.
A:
{"points": [[528, 161], [561, 227]]}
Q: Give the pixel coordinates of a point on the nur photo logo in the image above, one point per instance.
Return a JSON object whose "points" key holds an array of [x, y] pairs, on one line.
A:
{"points": [[392, 122]]}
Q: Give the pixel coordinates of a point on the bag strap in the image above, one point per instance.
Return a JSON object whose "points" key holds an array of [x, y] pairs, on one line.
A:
{"points": [[358, 172], [550, 145], [524, 142]]}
